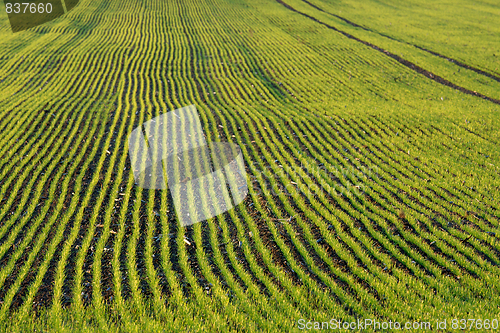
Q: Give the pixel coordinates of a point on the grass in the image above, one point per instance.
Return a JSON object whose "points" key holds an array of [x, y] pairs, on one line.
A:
{"points": [[372, 165]]}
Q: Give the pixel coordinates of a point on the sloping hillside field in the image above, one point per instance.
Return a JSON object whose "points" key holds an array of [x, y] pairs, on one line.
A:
{"points": [[367, 133]]}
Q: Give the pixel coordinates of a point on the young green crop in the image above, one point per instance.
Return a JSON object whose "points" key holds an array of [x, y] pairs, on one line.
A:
{"points": [[372, 187]]}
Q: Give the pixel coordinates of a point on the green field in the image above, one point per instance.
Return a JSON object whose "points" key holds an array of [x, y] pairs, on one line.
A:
{"points": [[370, 132]]}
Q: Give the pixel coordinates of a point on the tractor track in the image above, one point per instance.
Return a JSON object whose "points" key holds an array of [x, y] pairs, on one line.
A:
{"points": [[455, 61], [399, 59]]}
